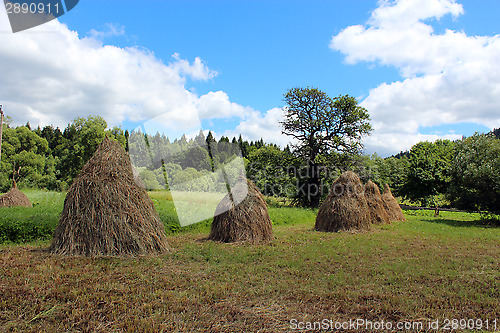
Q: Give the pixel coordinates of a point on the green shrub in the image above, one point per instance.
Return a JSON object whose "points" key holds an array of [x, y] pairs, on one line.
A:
{"points": [[19, 231]]}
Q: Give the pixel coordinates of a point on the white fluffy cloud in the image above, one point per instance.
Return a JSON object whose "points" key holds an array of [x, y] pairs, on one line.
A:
{"points": [[51, 75], [257, 126], [216, 104], [446, 78]]}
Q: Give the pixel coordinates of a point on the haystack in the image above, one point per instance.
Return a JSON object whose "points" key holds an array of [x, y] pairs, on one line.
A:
{"points": [[378, 214], [15, 198], [345, 208], [106, 213], [247, 221], [391, 205]]}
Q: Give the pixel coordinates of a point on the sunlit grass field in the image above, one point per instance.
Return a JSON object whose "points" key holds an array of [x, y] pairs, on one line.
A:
{"points": [[22, 225], [422, 270]]}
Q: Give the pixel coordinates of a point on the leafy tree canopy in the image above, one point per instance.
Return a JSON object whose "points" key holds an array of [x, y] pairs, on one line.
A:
{"points": [[475, 174], [428, 171], [322, 125]]}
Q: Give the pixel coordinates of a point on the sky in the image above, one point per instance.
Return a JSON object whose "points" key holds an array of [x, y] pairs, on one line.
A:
{"points": [[424, 69]]}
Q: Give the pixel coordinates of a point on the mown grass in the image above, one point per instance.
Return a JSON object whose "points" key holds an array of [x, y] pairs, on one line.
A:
{"points": [[424, 269]]}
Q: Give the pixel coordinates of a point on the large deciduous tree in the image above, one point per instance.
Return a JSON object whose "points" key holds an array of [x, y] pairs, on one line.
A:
{"points": [[322, 126]]}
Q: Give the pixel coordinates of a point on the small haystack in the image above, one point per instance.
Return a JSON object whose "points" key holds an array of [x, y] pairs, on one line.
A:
{"points": [[391, 205], [247, 221], [345, 208], [15, 198], [373, 197], [106, 213]]}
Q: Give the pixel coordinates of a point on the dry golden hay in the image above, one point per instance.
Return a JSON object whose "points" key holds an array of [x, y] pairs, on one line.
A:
{"points": [[106, 213], [15, 198], [247, 221], [345, 208], [373, 197], [391, 205]]}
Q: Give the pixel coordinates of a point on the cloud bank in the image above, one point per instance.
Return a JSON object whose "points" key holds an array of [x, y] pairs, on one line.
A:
{"points": [[446, 78], [51, 75]]}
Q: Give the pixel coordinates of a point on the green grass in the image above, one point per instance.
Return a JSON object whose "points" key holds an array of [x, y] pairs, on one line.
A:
{"points": [[21, 224], [25, 225], [424, 269]]}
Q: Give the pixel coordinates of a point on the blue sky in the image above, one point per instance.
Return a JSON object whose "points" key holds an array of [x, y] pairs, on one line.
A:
{"points": [[258, 48], [424, 69]]}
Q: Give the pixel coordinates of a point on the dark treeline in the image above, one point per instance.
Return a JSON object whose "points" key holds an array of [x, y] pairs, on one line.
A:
{"points": [[50, 158], [463, 173]]}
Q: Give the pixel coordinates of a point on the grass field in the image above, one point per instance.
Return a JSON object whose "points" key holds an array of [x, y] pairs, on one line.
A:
{"points": [[422, 270]]}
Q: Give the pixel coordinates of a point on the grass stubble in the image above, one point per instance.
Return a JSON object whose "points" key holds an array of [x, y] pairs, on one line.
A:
{"points": [[424, 269]]}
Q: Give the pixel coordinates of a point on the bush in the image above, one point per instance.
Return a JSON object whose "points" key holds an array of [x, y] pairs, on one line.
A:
{"points": [[22, 231]]}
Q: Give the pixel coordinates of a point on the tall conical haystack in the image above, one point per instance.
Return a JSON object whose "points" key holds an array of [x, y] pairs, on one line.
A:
{"points": [[15, 198], [345, 208], [378, 214], [247, 221], [106, 213], [391, 205]]}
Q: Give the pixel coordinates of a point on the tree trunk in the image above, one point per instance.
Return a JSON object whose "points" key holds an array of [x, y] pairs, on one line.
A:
{"points": [[314, 185], [436, 211]]}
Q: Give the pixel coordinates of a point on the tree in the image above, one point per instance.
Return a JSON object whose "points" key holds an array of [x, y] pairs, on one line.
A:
{"points": [[475, 174], [196, 157], [24, 148], [32, 167], [244, 146], [322, 126], [392, 172], [381, 171], [427, 176], [199, 140], [55, 139], [126, 135], [496, 133], [211, 146], [149, 180], [267, 168], [117, 134], [83, 138]]}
